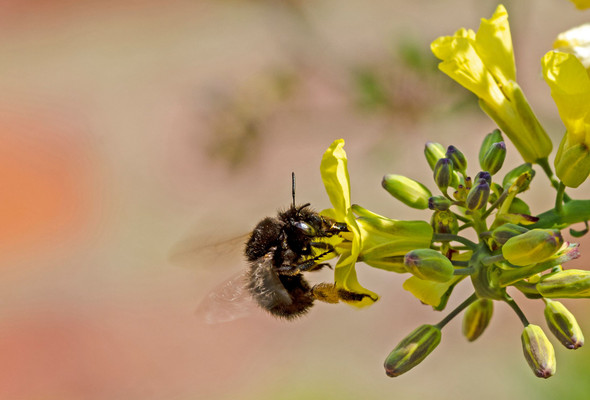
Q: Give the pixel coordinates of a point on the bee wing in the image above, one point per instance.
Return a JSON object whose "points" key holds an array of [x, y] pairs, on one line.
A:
{"points": [[227, 302], [192, 251]]}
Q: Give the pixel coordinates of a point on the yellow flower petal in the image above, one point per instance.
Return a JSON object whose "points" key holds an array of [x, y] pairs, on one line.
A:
{"points": [[334, 173], [570, 89], [493, 43], [581, 4]]}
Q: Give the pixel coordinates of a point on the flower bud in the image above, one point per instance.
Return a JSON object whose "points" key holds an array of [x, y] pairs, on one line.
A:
{"points": [[571, 283], [485, 175], [572, 164], [515, 173], [538, 351], [429, 265], [532, 247], [504, 232], [488, 141], [433, 152], [476, 318], [494, 158], [412, 350], [458, 159], [563, 324], [406, 190], [439, 203], [442, 173], [444, 222], [477, 197]]}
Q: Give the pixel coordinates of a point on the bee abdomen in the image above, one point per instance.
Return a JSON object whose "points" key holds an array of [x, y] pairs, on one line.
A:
{"points": [[281, 295]]}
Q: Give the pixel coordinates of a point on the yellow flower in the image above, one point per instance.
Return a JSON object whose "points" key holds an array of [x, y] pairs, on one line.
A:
{"points": [[483, 63], [335, 176], [581, 4], [575, 41], [570, 89]]}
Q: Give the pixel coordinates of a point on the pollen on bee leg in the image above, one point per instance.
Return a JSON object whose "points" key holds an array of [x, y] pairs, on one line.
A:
{"points": [[326, 292]]}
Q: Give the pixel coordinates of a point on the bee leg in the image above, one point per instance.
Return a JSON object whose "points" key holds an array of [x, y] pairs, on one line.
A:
{"points": [[329, 293], [325, 292]]}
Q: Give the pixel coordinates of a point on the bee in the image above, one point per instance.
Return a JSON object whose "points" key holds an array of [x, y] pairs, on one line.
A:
{"points": [[278, 251]]}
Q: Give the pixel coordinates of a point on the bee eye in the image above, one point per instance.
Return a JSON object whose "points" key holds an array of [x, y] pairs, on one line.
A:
{"points": [[305, 228]]}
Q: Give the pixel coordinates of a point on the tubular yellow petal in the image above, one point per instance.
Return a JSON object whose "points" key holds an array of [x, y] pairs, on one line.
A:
{"points": [[493, 43]]}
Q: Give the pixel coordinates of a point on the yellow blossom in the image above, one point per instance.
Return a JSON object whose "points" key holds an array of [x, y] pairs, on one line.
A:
{"points": [[575, 41], [335, 176], [570, 89], [483, 63], [581, 4]]}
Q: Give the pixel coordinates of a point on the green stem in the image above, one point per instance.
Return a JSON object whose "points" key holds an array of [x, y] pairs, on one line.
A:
{"points": [[517, 310], [489, 260], [544, 163], [447, 237], [495, 204], [559, 198], [572, 212], [456, 311], [463, 271]]}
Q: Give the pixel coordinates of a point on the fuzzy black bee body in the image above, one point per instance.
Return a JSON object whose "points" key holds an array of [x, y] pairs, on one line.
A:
{"points": [[278, 250]]}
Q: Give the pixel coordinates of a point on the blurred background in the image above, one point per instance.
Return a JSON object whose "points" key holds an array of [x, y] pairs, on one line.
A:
{"points": [[138, 139]]}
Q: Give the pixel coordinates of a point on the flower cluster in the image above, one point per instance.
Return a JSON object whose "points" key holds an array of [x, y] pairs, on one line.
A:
{"points": [[514, 248]]}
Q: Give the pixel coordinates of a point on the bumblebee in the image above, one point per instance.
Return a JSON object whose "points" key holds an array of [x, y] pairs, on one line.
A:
{"points": [[279, 250]]}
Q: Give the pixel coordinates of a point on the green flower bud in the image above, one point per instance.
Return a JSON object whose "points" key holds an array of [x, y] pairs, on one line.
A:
{"points": [[488, 141], [477, 197], [563, 324], [429, 265], [458, 159], [572, 164], [444, 222], [485, 175], [406, 190], [412, 350], [515, 173], [442, 173], [476, 318], [532, 247], [433, 152], [502, 233], [571, 283], [439, 203], [538, 351], [494, 158]]}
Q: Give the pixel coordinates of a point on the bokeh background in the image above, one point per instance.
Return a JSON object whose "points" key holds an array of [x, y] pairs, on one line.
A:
{"points": [[138, 138]]}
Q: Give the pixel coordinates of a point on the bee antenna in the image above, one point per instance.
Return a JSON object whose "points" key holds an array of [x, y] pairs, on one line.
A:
{"points": [[293, 187]]}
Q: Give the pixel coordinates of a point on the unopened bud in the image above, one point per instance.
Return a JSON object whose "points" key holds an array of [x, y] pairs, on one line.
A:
{"points": [[412, 350], [513, 175], [488, 141], [532, 247], [477, 197], [439, 203], [485, 175], [429, 264], [406, 190], [458, 159], [476, 318], [494, 158], [442, 173], [563, 324], [444, 222], [572, 164], [504, 232], [433, 152], [538, 351], [571, 283]]}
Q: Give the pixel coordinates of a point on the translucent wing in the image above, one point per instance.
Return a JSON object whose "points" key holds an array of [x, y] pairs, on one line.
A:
{"points": [[205, 252], [227, 302]]}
